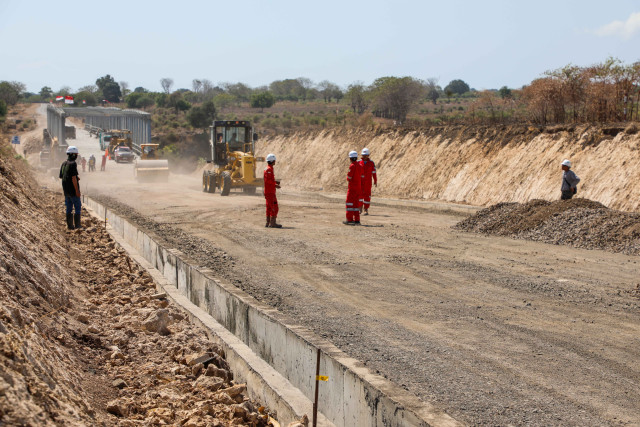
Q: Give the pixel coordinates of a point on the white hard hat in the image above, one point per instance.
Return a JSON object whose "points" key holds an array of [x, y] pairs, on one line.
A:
{"points": [[566, 162], [72, 149], [271, 157], [365, 152], [353, 154]]}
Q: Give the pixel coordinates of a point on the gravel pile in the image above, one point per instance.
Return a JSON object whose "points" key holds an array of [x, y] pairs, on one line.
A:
{"points": [[578, 222]]}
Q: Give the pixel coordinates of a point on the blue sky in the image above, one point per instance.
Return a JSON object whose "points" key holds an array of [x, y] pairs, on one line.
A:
{"points": [[487, 43]]}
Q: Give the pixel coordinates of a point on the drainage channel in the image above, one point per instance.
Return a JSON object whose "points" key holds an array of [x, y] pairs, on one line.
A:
{"points": [[277, 361]]}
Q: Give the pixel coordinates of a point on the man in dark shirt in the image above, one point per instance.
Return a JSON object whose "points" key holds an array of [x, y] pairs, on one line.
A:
{"points": [[569, 181], [71, 188]]}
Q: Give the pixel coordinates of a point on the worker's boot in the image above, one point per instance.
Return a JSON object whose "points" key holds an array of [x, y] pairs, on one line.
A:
{"points": [[268, 221], [76, 220], [70, 221], [273, 224]]}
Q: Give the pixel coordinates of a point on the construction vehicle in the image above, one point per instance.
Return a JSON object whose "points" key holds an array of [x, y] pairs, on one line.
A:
{"points": [[52, 154], [104, 137], [233, 163], [119, 138], [149, 166]]}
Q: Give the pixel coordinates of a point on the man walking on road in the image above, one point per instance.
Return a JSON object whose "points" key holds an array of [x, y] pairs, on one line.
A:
{"points": [[71, 188], [354, 195], [368, 172], [569, 181], [270, 185]]}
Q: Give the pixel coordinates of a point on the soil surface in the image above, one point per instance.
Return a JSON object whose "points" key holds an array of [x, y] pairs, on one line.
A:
{"points": [[577, 222], [85, 337], [493, 330]]}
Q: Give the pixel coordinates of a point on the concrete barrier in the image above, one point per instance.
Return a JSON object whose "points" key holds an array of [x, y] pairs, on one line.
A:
{"points": [[353, 396]]}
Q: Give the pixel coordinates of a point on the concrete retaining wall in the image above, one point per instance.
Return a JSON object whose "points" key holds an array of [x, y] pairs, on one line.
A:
{"points": [[352, 396]]}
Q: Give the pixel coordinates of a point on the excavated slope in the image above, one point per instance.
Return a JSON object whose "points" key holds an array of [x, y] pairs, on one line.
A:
{"points": [[475, 165]]}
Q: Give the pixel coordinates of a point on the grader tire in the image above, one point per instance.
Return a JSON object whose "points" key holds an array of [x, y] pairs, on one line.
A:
{"points": [[226, 184], [205, 182], [212, 183]]}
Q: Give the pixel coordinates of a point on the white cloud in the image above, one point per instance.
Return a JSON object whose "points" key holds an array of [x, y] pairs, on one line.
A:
{"points": [[623, 29]]}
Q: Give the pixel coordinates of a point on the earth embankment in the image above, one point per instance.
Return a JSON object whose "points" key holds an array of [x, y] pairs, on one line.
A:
{"points": [[85, 339], [476, 165]]}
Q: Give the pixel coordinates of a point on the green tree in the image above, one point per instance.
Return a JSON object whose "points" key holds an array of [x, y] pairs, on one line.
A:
{"points": [[393, 97], [289, 90], [197, 118], [223, 101], [3, 110], [209, 108], [357, 96], [505, 92], [86, 96], [140, 89], [162, 100], [46, 92], [10, 92], [110, 88], [457, 86], [240, 91], [132, 99], [262, 100], [145, 101]]}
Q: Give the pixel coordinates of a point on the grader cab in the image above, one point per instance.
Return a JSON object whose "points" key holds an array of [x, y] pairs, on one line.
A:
{"points": [[233, 162]]}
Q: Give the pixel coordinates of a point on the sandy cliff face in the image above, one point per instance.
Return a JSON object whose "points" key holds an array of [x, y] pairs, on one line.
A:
{"points": [[475, 165]]}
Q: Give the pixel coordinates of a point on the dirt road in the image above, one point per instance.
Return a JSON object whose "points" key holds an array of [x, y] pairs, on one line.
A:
{"points": [[494, 331]]}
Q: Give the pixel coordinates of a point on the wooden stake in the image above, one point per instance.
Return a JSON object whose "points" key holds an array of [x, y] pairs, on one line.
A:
{"points": [[315, 402]]}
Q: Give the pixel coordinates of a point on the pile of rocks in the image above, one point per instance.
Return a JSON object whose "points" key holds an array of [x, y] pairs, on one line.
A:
{"points": [[165, 370], [578, 222]]}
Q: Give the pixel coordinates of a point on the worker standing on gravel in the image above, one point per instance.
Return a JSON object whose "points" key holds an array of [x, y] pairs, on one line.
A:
{"points": [[270, 185], [71, 188], [368, 172], [104, 162], [569, 181], [354, 190]]}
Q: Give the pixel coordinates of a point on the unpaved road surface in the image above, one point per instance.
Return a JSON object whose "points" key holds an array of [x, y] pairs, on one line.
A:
{"points": [[495, 331]]}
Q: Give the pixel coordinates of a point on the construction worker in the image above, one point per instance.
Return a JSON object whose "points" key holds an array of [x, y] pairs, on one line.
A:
{"points": [[270, 185], [83, 162], [92, 163], [71, 187], [104, 162], [354, 195], [569, 181], [368, 172]]}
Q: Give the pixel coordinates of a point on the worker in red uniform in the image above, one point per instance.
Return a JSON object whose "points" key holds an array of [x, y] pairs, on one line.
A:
{"points": [[354, 179], [369, 171], [270, 185]]}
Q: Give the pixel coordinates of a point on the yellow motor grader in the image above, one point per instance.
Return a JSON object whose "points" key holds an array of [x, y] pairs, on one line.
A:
{"points": [[119, 138], [233, 163]]}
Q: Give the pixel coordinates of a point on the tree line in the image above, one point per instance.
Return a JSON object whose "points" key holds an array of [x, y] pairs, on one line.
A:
{"points": [[604, 92]]}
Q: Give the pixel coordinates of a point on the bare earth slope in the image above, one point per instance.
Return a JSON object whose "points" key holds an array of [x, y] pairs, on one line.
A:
{"points": [[477, 165], [83, 339]]}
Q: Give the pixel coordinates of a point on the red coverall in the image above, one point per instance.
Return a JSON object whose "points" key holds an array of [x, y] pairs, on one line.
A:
{"points": [[369, 171], [270, 192], [354, 197]]}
